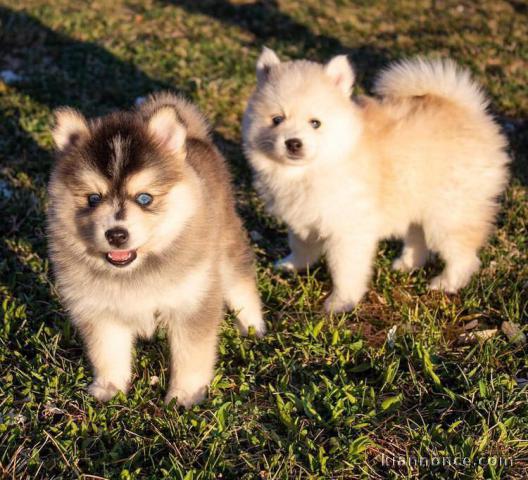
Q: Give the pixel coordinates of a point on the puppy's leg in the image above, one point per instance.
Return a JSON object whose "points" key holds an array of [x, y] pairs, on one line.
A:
{"points": [[414, 254], [350, 261], [242, 297], [193, 343], [460, 267], [238, 275], [109, 347], [461, 263], [458, 247], [304, 253]]}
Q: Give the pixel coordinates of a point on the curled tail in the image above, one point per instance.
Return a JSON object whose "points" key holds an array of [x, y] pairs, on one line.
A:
{"points": [[442, 78], [193, 120]]}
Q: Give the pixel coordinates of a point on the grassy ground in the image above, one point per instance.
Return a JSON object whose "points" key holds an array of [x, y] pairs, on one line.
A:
{"points": [[318, 397]]}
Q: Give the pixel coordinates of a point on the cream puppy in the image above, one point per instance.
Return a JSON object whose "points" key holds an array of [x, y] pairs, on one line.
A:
{"points": [[424, 160]]}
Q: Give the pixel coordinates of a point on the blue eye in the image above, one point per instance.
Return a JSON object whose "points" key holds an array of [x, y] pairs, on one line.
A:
{"points": [[144, 199], [277, 120], [94, 199]]}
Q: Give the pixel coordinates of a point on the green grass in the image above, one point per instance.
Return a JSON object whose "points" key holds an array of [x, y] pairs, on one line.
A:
{"points": [[317, 397]]}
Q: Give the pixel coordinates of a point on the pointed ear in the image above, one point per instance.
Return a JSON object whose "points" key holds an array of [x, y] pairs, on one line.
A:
{"points": [[267, 59], [342, 74], [70, 127], [168, 130]]}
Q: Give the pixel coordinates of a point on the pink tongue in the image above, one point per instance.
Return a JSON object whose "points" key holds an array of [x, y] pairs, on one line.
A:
{"points": [[119, 255]]}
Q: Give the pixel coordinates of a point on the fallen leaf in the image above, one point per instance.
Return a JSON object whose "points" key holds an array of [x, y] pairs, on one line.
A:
{"points": [[478, 336], [513, 332]]}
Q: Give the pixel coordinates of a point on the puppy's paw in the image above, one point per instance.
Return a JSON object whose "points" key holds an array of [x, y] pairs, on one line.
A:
{"points": [[257, 324], [287, 264], [336, 304], [102, 390], [185, 397], [402, 265], [410, 260], [444, 284]]}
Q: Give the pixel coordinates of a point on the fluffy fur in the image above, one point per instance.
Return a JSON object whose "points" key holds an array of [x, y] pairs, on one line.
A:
{"points": [[185, 252], [423, 161]]}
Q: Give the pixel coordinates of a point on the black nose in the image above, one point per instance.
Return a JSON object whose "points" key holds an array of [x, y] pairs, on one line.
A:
{"points": [[294, 145], [116, 236]]}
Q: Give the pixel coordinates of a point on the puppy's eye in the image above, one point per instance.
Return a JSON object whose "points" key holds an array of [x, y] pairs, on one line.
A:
{"points": [[94, 199], [315, 123], [144, 199], [277, 120]]}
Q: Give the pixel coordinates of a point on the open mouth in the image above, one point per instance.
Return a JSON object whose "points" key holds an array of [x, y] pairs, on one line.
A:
{"points": [[121, 258]]}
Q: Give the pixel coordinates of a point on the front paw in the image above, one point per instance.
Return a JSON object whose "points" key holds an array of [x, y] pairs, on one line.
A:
{"points": [[287, 264], [401, 264], [336, 304], [185, 397], [257, 324], [443, 284], [103, 390]]}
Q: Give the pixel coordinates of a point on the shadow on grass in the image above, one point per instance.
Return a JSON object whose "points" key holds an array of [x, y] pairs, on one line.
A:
{"points": [[58, 70], [272, 27], [520, 6], [23, 277], [264, 20]]}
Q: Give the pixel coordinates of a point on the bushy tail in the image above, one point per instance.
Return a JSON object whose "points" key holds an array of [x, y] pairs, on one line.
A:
{"points": [[193, 120], [442, 78]]}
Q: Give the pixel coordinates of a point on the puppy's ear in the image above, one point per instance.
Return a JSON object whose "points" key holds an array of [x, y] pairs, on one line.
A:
{"points": [[341, 73], [168, 130], [267, 59], [70, 127]]}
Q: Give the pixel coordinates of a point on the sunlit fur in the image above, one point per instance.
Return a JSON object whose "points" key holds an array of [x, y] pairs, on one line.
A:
{"points": [[423, 161], [192, 252]]}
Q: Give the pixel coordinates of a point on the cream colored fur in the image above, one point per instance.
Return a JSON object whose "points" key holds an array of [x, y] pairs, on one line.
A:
{"points": [[424, 162]]}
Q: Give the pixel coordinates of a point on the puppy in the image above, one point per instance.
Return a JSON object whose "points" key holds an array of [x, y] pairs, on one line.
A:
{"points": [[143, 232], [423, 161]]}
